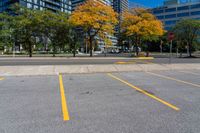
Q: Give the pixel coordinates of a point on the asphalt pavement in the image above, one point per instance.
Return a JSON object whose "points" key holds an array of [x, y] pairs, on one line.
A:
{"points": [[90, 61], [129, 102]]}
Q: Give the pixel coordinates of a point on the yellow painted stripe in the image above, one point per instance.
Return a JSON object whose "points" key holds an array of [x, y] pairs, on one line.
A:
{"points": [[1, 78], [145, 93], [63, 100], [177, 80]]}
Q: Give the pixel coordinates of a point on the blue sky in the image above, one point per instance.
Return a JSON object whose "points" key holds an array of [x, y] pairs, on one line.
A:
{"points": [[148, 3]]}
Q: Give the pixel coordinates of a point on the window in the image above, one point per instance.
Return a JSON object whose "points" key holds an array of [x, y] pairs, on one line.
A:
{"points": [[195, 6], [170, 10], [171, 22], [170, 16], [185, 14], [29, 5], [158, 11], [195, 13], [168, 28], [183, 8], [160, 17]]}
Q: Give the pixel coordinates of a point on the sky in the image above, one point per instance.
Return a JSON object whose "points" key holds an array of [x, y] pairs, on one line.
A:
{"points": [[148, 3]]}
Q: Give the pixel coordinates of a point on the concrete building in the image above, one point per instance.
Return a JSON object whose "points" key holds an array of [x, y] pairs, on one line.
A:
{"points": [[53, 5], [174, 10]]}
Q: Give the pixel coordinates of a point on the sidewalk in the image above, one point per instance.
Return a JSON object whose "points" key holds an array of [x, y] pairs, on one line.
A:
{"points": [[78, 69], [75, 58]]}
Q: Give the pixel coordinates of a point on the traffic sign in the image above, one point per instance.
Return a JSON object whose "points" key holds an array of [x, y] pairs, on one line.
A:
{"points": [[171, 36]]}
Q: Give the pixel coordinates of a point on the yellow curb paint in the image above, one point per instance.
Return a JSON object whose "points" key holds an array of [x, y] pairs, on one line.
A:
{"points": [[1, 78], [63, 100], [145, 58], [177, 80], [145, 93], [124, 62]]}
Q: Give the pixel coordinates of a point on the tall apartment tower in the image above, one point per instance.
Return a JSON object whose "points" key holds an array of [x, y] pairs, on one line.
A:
{"points": [[76, 3], [120, 6], [53, 5]]}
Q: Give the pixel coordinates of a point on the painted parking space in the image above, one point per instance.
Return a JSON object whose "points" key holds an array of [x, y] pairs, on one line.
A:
{"points": [[98, 103], [1, 78], [29, 104], [180, 77], [144, 92], [102, 104]]}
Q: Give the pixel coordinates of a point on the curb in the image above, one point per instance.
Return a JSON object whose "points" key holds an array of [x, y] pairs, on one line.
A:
{"points": [[84, 69]]}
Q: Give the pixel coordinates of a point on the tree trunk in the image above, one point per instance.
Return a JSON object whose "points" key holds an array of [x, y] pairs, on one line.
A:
{"points": [[190, 50], [105, 52], [147, 52], [54, 50], [74, 50], [30, 50], [137, 50], [91, 54]]}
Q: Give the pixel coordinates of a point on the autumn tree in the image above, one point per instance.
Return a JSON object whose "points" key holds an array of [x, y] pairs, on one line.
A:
{"points": [[95, 19], [139, 24]]}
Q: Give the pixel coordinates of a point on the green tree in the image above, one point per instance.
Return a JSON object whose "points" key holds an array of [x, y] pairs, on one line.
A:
{"points": [[187, 31], [25, 27], [6, 39], [55, 27]]}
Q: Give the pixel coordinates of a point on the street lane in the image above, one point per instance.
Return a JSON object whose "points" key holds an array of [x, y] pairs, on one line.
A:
{"points": [[88, 61]]}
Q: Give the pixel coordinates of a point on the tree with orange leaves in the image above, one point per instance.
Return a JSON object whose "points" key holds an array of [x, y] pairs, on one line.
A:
{"points": [[95, 19], [139, 24]]}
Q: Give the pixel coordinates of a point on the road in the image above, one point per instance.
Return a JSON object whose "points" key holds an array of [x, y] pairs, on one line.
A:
{"points": [[86, 61], [132, 102]]}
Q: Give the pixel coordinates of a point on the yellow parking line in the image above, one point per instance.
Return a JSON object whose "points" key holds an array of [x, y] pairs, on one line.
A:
{"points": [[177, 80], [145, 93], [1, 78], [63, 100]]}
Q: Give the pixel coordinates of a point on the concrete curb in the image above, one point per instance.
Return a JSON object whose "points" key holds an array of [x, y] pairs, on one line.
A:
{"points": [[81, 69]]}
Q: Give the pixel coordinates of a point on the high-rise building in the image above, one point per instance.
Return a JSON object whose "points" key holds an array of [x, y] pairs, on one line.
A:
{"points": [[54, 5], [174, 10], [120, 5], [76, 3]]}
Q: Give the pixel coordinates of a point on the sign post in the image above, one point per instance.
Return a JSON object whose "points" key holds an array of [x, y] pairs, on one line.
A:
{"points": [[170, 38]]}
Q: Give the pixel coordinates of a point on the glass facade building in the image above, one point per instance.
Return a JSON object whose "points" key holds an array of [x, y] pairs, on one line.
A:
{"points": [[120, 5], [53, 5], [76, 3], [174, 10]]}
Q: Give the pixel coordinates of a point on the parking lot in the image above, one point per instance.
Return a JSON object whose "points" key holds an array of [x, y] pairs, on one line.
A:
{"points": [[127, 102]]}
